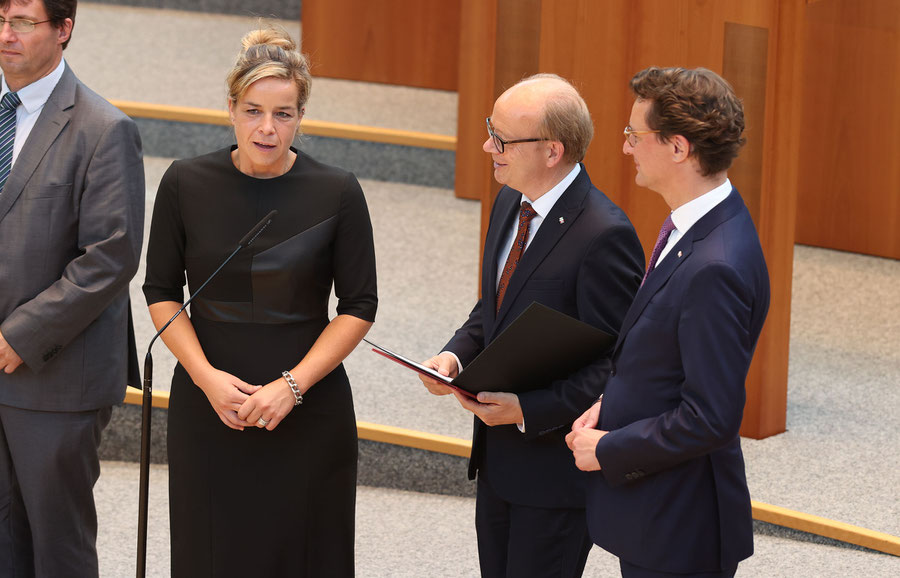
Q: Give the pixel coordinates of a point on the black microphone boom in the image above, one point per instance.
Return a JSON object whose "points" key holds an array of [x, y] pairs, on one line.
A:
{"points": [[147, 399]]}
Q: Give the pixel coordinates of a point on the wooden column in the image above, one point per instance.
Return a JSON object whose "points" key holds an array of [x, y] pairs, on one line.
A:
{"points": [[776, 214], [495, 53], [756, 44]]}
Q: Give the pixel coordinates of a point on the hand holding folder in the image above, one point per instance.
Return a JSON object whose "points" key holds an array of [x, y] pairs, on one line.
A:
{"points": [[540, 346]]}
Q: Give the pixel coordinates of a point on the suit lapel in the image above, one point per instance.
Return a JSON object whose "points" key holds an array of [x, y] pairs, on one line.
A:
{"points": [[567, 208], [679, 254], [51, 121], [656, 280]]}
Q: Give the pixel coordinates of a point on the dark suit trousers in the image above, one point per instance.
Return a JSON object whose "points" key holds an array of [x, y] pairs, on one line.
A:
{"points": [[524, 541], [631, 571], [48, 467]]}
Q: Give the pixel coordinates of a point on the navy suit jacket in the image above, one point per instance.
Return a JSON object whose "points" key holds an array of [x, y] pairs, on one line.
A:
{"points": [[672, 494], [585, 261]]}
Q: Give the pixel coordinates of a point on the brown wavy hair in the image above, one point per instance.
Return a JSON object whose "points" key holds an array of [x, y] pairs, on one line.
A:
{"points": [[697, 104]]}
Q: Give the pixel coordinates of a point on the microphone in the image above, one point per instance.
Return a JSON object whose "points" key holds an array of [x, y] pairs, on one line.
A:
{"points": [[147, 399], [254, 232]]}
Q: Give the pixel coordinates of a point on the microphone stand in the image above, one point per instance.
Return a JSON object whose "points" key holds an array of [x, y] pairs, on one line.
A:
{"points": [[147, 400]]}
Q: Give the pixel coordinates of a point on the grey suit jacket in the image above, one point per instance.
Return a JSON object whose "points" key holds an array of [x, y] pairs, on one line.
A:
{"points": [[71, 227]]}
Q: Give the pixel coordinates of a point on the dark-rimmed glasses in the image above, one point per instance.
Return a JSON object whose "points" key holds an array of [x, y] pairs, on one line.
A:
{"points": [[631, 134], [499, 143], [20, 25]]}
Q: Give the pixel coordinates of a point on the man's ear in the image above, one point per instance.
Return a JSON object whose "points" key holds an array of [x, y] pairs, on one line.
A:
{"points": [[555, 152], [64, 30], [681, 148]]}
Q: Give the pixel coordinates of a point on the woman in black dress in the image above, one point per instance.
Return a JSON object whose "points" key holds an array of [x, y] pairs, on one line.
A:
{"points": [[261, 433]]}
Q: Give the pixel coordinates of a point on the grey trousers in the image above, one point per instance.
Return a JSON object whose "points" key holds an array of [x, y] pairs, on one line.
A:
{"points": [[48, 467]]}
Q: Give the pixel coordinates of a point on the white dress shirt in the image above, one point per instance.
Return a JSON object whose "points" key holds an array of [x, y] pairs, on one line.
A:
{"points": [[33, 97], [542, 207]]}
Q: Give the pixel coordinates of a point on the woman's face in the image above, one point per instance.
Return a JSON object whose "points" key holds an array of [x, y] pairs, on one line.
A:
{"points": [[265, 121]]}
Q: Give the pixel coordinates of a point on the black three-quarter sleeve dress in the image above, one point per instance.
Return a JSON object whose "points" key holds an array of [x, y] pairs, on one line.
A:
{"points": [[255, 502]]}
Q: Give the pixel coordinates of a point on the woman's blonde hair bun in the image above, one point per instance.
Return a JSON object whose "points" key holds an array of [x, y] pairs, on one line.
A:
{"points": [[269, 52]]}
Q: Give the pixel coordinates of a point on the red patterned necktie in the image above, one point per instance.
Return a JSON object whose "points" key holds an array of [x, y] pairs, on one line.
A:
{"points": [[526, 213], [667, 227]]}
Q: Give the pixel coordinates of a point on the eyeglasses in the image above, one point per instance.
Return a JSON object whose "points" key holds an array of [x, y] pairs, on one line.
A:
{"points": [[20, 25], [631, 134], [499, 143]]}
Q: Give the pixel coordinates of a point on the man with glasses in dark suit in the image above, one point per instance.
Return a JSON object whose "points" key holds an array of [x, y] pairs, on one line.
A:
{"points": [[553, 238], [71, 222], [669, 494]]}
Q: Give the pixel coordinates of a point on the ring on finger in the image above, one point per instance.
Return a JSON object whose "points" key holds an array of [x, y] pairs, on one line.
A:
{"points": [[263, 422]]}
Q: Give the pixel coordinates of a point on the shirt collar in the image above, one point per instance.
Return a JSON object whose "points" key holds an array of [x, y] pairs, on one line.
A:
{"points": [[545, 202], [35, 95], [689, 213]]}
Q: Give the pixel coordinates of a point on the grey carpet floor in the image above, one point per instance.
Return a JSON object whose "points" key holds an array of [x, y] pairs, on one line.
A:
{"points": [[413, 535]]}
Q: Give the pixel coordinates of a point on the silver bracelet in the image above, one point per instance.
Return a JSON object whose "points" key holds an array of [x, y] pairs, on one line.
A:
{"points": [[295, 389]]}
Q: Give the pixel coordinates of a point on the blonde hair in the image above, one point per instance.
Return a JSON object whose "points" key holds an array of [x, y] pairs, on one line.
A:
{"points": [[269, 53]]}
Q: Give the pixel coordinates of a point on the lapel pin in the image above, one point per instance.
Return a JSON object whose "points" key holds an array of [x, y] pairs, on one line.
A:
{"points": [[679, 253], [562, 221]]}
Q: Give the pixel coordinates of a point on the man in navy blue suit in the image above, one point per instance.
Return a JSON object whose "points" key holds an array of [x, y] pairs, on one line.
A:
{"points": [[556, 239], [669, 494]]}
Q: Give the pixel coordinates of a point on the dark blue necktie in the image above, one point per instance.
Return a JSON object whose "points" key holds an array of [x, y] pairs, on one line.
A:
{"points": [[8, 106]]}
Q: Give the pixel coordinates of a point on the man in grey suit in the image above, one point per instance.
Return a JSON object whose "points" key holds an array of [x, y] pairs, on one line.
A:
{"points": [[71, 219]]}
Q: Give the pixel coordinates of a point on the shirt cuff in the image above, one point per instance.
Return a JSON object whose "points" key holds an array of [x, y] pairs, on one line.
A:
{"points": [[459, 366]]}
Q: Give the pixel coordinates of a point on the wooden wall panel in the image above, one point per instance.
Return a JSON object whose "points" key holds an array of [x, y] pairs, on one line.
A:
{"points": [[849, 192], [601, 45], [745, 64], [579, 53], [408, 42]]}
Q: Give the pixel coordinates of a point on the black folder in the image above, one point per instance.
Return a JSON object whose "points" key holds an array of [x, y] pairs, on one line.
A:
{"points": [[539, 346]]}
